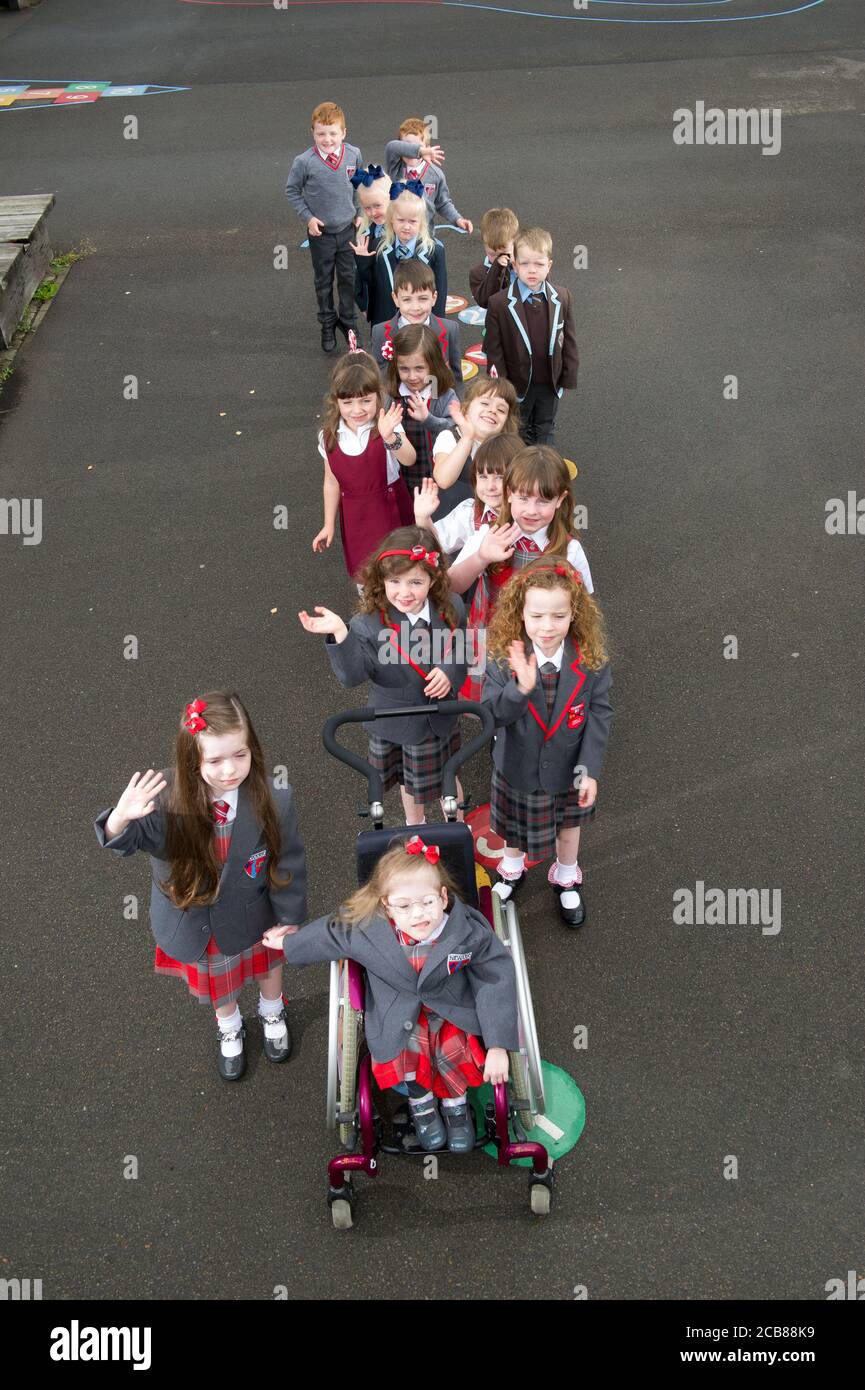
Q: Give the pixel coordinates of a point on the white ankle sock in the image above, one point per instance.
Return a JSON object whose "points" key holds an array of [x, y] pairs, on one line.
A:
{"points": [[453, 1102], [512, 865], [269, 1006], [567, 874], [421, 1100], [231, 1024]]}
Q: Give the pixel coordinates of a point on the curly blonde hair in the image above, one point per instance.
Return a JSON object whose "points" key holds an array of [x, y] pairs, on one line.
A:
{"points": [[368, 900], [376, 571], [587, 622]]}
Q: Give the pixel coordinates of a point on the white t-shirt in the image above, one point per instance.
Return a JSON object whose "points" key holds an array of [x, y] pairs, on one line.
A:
{"points": [[454, 529], [576, 554], [354, 443], [446, 441]]}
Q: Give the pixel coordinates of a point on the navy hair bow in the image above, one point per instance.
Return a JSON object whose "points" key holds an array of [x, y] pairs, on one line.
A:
{"points": [[410, 186], [367, 176]]}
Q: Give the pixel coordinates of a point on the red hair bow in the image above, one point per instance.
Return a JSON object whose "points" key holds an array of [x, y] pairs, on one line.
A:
{"points": [[193, 721], [387, 350], [431, 853], [417, 552]]}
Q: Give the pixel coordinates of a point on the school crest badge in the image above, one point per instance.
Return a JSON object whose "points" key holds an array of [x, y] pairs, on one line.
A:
{"points": [[255, 863], [577, 715], [457, 960]]}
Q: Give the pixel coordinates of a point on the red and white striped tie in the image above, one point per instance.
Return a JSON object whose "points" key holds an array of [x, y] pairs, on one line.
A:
{"points": [[220, 812], [527, 544]]}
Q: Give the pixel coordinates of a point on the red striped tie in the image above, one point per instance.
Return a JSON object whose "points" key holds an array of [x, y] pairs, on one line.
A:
{"points": [[527, 544], [488, 518], [220, 812], [333, 161]]}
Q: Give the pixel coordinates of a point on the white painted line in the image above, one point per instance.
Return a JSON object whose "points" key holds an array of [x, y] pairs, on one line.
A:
{"points": [[545, 1123]]}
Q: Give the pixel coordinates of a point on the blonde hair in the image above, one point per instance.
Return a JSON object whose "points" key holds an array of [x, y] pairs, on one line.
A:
{"points": [[367, 901], [499, 226], [425, 242], [536, 239], [505, 391], [587, 623], [363, 229]]}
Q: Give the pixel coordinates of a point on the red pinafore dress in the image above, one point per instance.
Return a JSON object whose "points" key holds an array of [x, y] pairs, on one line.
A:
{"points": [[369, 507]]}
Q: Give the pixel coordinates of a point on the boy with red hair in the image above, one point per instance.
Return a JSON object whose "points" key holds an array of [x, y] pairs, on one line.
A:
{"points": [[319, 189]]}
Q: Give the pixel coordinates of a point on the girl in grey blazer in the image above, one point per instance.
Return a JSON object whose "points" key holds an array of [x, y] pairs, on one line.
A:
{"points": [[226, 863], [440, 1011], [409, 643], [548, 685]]}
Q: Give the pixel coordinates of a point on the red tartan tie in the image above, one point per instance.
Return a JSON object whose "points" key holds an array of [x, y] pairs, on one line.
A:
{"points": [[333, 161], [220, 812], [527, 544]]}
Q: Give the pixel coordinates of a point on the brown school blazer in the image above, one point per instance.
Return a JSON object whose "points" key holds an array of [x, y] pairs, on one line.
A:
{"points": [[507, 346]]}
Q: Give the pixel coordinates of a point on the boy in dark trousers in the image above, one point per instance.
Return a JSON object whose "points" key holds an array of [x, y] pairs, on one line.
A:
{"points": [[320, 191], [530, 336]]}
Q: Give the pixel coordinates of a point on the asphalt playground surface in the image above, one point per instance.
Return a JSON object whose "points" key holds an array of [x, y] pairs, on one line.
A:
{"points": [[706, 519]]}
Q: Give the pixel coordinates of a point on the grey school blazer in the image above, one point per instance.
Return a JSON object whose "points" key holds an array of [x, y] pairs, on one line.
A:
{"points": [[381, 649], [532, 753], [468, 977], [245, 907]]}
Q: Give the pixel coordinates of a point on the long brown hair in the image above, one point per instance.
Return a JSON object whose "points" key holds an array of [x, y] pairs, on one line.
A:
{"points": [[195, 871], [368, 900], [377, 571], [587, 623], [355, 374], [539, 466], [419, 337]]}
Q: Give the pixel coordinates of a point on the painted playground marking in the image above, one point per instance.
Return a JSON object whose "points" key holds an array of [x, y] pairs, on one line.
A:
{"points": [[31, 94], [585, 17]]}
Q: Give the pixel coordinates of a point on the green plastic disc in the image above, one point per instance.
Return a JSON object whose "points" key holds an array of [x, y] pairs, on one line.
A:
{"points": [[562, 1124]]}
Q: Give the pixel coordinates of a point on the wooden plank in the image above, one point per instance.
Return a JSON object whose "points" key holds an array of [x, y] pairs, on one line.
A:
{"points": [[27, 266], [19, 217]]}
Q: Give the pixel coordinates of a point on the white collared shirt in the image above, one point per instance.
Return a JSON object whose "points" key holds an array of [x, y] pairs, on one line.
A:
{"points": [[576, 555], [353, 442], [556, 657], [424, 613], [424, 393], [337, 154], [403, 323], [231, 798]]}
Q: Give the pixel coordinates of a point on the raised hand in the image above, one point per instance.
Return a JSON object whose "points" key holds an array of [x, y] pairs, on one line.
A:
{"points": [[417, 407], [460, 420], [434, 153], [388, 421], [526, 671], [326, 624], [139, 798], [426, 500], [361, 246], [499, 543]]}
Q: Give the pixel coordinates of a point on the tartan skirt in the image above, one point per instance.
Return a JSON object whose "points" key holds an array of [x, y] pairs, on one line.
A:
{"points": [[216, 978], [415, 766], [530, 821], [439, 1056]]}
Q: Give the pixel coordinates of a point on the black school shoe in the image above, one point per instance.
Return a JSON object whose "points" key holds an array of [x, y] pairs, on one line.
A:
{"points": [[276, 1050], [507, 888], [231, 1068], [346, 328], [572, 905], [328, 338]]}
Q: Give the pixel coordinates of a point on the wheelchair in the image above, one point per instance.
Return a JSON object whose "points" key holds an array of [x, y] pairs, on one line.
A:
{"points": [[350, 1105]]}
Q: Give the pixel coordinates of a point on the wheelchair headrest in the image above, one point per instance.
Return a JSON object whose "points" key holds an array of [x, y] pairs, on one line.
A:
{"points": [[454, 839]]}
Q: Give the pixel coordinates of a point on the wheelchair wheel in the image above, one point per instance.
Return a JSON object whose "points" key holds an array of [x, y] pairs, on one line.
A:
{"points": [[526, 1076], [343, 1044]]}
